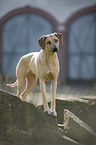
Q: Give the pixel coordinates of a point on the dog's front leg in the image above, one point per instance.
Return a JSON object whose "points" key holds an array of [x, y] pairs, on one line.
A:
{"points": [[53, 96], [43, 91]]}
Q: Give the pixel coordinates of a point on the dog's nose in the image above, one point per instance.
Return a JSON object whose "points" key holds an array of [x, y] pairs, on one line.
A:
{"points": [[55, 49]]}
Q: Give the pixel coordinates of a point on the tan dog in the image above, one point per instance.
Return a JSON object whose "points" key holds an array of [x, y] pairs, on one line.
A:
{"points": [[44, 65]]}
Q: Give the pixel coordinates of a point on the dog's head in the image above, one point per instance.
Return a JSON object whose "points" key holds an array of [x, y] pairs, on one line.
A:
{"points": [[50, 43]]}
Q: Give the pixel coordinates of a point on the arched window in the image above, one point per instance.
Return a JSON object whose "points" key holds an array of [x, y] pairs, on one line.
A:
{"points": [[20, 33], [82, 48], [82, 45]]}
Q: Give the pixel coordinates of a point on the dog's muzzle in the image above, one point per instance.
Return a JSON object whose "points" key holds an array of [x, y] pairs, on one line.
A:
{"points": [[54, 49]]}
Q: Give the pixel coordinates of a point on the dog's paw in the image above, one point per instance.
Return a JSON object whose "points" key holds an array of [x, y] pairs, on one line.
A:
{"points": [[48, 112], [54, 114], [21, 98]]}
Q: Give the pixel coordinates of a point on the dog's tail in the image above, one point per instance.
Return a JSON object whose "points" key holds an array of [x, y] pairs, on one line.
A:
{"points": [[13, 85]]}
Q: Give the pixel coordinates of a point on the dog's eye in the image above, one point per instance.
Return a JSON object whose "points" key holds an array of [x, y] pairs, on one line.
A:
{"points": [[49, 42], [55, 40]]}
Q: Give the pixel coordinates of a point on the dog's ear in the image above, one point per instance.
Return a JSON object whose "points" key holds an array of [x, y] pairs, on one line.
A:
{"points": [[60, 37], [41, 41]]}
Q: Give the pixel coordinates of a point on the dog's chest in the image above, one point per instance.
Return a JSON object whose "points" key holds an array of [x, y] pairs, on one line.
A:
{"points": [[50, 72], [48, 76], [47, 67]]}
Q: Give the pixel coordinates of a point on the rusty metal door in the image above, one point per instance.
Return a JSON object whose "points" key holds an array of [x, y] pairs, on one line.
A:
{"points": [[82, 48], [19, 36]]}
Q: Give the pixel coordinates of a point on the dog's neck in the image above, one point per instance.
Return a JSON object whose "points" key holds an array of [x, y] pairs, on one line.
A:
{"points": [[49, 58]]}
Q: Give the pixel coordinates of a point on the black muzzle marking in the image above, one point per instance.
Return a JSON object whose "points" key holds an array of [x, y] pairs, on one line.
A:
{"points": [[54, 49]]}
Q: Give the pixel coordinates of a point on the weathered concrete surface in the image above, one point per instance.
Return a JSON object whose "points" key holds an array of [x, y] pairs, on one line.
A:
{"points": [[78, 129], [22, 123], [80, 119]]}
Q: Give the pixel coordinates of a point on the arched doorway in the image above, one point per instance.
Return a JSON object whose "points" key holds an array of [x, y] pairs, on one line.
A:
{"points": [[20, 30], [81, 45]]}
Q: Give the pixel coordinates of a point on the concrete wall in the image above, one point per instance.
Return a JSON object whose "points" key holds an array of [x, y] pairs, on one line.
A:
{"points": [[60, 9]]}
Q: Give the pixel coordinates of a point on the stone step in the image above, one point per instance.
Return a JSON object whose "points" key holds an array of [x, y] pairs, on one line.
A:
{"points": [[21, 123], [80, 118], [85, 109], [77, 129]]}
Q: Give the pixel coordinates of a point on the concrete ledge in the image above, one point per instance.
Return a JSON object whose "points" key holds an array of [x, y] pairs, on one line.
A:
{"points": [[75, 128], [21, 123], [79, 119]]}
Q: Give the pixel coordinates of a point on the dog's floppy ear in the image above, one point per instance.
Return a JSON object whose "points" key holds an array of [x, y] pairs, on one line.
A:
{"points": [[41, 41], [60, 37]]}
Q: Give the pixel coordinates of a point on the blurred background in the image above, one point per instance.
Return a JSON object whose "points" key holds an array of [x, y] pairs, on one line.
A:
{"points": [[22, 22]]}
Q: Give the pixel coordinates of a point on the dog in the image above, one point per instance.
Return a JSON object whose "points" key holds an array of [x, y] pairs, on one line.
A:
{"points": [[44, 65]]}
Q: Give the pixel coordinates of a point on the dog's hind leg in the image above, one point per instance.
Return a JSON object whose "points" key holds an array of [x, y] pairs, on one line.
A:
{"points": [[31, 80], [20, 85]]}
